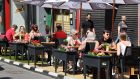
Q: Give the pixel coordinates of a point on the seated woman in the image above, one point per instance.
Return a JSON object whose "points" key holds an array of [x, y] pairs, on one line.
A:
{"points": [[90, 37], [34, 32], [106, 39], [121, 46], [74, 40], [73, 44], [21, 35]]}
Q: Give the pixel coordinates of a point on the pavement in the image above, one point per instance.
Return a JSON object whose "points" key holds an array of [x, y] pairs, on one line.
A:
{"points": [[45, 70], [8, 71]]}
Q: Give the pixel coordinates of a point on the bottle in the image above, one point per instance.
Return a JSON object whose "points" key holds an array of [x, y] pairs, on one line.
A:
{"points": [[47, 39], [20, 37]]}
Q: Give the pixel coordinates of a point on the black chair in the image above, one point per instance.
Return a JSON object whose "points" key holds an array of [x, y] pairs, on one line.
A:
{"points": [[136, 56], [89, 46], [40, 38], [4, 44], [130, 58], [58, 42], [125, 57]]}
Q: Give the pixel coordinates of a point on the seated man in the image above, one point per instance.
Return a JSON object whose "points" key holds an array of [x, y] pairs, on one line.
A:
{"points": [[10, 33], [60, 34]]}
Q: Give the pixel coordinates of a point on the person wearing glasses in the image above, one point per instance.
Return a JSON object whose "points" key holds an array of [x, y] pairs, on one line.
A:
{"points": [[106, 39], [74, 41]]}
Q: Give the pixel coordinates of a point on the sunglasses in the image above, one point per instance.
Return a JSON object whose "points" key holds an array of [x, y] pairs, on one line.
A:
{"points": [[107, 34]]}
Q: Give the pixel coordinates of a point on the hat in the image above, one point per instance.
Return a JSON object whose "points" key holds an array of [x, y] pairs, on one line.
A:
{"points": [[73, 32]]}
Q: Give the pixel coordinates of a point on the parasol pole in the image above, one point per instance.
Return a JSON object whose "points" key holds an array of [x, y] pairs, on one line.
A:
{"points": [[51, 20], [113, 16], [80, 18]]}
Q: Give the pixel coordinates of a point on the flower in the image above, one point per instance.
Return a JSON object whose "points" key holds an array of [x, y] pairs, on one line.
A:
{"points": [[96, 53], [36, 43]]}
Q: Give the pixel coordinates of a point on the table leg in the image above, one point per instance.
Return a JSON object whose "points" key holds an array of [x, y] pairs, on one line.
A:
{"points": [[22, 51], [42, 57], [139, 69], [28, 55], [0, 51], [99, 68], [16, 52], [50, 57], [35, 59], [85, 71], [55, 65], [10, 54], [65, 67], [5, 49], [74, 66], [108, 71]]}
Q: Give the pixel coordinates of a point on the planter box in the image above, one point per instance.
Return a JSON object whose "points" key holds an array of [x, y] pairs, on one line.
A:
{"points": [[35, 51], [65, 57], [17, 47], [98, 62]]}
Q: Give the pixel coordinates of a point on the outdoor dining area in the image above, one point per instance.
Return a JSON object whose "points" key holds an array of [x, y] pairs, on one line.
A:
{"points": [[98, 62], [82, 53]]}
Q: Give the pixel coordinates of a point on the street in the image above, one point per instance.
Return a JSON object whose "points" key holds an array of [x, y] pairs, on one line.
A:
{"points": [[8, 71]]}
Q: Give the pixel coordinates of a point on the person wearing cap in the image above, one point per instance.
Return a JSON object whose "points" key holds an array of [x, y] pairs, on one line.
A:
{"points": [[10, 33], [73, 44], [74, 41]]}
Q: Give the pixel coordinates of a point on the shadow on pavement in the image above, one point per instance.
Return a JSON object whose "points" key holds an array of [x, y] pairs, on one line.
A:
{"points": [[1, 69], [5, 78]]}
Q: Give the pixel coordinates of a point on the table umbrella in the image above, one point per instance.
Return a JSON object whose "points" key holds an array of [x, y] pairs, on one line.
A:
{"points": [[132, 1], [113, 2], [79, 4], [71, 4], [118, 1]]}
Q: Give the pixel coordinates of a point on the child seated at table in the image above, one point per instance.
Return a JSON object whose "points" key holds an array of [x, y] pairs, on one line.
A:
{"points": [[121, 46]]}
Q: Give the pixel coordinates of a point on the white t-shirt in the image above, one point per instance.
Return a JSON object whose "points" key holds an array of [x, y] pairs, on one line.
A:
{"points": [[123, 47], [91, 35]]}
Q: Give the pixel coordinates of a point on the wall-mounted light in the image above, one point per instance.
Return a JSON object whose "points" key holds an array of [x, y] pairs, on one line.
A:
{"points": [[44, 19], [71, 18]]}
